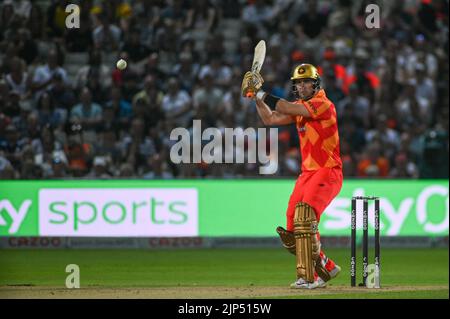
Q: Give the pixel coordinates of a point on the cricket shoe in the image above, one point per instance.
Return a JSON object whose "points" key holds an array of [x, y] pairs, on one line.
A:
{"points": [[302, 284], [335, 271]]}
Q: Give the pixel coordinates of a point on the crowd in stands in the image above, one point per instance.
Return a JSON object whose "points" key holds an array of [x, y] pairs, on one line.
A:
{"points": [[67, 112]]}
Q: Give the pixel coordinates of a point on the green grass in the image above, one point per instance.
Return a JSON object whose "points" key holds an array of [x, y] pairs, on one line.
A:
{"points": [[220, 267]]}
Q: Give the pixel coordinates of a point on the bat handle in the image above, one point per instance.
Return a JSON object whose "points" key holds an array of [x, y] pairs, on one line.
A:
{"points": [[250, 95]]}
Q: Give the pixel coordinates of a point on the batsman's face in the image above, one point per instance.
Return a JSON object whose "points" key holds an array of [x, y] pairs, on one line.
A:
{"points": [[305, 88]]}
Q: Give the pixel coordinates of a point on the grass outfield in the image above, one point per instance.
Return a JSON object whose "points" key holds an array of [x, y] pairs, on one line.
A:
{"points": [[208, 273]]}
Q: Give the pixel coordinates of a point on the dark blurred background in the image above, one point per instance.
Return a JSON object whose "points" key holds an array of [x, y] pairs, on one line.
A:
{"points": [[67, 112]]}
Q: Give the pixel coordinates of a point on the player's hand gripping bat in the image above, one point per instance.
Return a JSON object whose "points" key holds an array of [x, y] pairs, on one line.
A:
{"points": [[253, 81]]}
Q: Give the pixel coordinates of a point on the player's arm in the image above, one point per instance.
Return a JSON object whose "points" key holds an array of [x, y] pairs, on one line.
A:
{"points": [[270, 117], [290, 108], [282, 106], [252, 84]]}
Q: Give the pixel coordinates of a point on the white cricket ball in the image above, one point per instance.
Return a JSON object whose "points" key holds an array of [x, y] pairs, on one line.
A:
{"points": [[121, 64]]}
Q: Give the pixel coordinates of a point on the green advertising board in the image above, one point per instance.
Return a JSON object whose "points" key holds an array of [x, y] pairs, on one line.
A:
{"points": [[208, 207]]}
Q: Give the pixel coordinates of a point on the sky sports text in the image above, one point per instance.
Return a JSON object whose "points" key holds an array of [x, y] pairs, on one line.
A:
{"points": [[118, 212], [153, 212]]}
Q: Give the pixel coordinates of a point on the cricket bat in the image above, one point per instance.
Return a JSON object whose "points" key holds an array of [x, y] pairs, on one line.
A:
{"points": [[258, 60]]}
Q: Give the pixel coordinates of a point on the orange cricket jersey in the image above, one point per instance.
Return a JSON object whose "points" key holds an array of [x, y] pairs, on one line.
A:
{"points": [[318, 134]]}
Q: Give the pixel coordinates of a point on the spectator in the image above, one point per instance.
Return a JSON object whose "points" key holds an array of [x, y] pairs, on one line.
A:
{"points": [[334, 92], [359, 74], [96, 65], [49, 152], [425, 87], [207, 93], [99, 169], [150, 94], [278, 63], [373, 164], [26, 46], [12, 145], [410, 107], [35, 22], [232, 104], [189, 71], [135, 49], [136, 146], [58, 168], [18, 79], [86, 113], [56, 18], [22, 8], [4, 98], [107, 35], [404, 168], [202, 16], [352, 133], [357, 105], [152, 112], [176, 11], [166, 42], [434, 158], [98, 88], [47, 113], [43, 76], [21, 121], [157, 169], [121, 107], [6, 169], [389, 137], [152, 67], [33, 132], [221, 74], [29, 170], [284, 38], [107, 145], [244, 51], [427, 18], [348, 161], [12, 106], [256, 15], [312, 22], [148, 16], [78, 153], [126, 171], [229, 9], [7, 15], [62, 96], [418, 54], [176, 104]]}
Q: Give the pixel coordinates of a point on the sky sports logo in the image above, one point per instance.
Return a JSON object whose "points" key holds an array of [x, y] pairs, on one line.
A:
{"points": [[146, 212], [421, 208]]}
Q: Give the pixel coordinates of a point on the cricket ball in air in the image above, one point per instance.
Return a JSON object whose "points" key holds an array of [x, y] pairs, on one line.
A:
{"points": [[121, 64]]}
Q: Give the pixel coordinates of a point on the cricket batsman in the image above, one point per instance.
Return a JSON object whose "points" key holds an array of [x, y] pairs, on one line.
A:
{"points": [[321, 174]]}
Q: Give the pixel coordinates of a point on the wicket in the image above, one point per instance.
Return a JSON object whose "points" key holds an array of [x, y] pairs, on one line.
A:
{"points": [[365, 240]]}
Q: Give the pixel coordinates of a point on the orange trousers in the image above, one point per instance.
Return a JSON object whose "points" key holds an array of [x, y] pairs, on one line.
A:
{"points": [[317, 189]]}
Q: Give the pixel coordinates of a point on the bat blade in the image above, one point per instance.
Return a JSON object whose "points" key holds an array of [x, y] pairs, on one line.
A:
{"points": [[259, 56]]}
